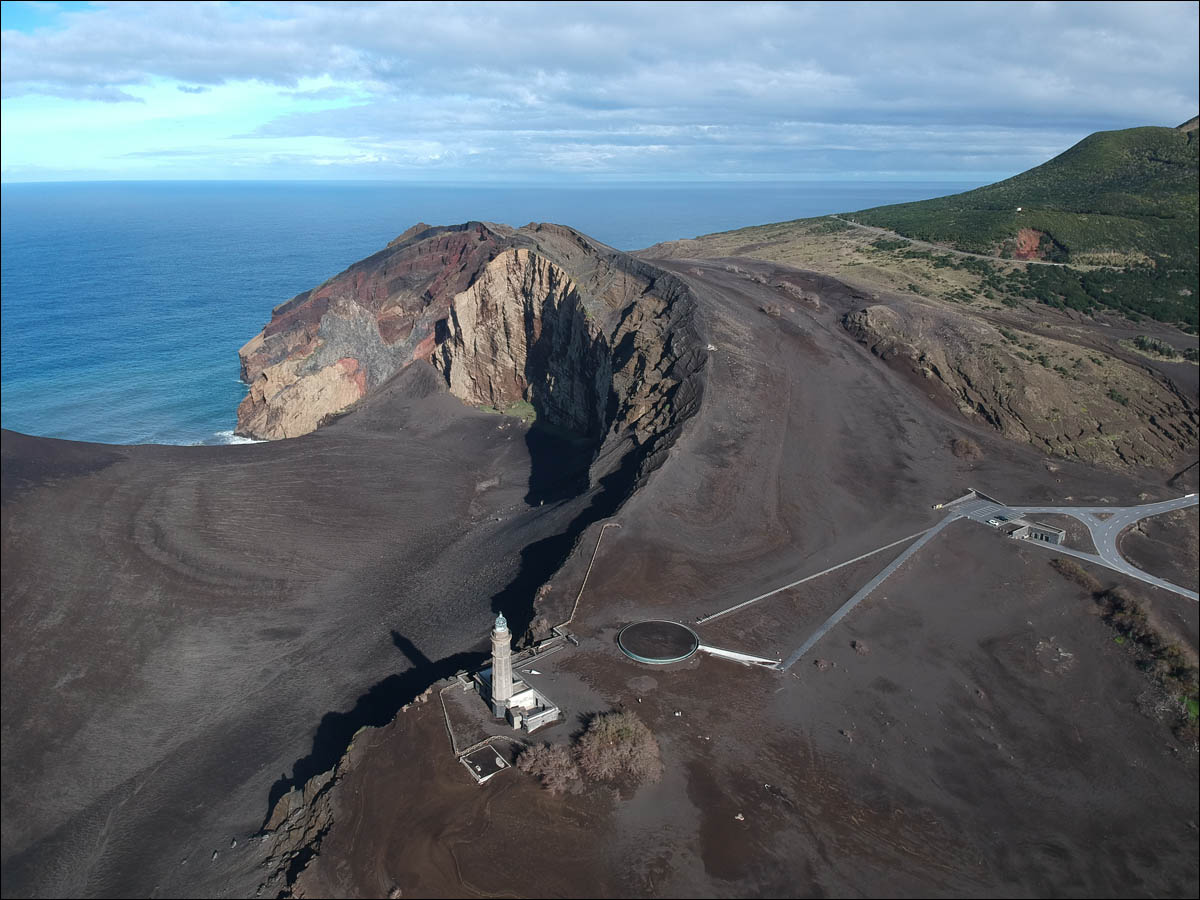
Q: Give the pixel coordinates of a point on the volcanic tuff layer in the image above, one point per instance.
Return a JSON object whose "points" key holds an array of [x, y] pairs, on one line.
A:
{"points": [[1061, 397], [592, 339]]}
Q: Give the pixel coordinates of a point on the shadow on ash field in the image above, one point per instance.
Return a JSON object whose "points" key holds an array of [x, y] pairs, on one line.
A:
{"points": [[559, 466]]}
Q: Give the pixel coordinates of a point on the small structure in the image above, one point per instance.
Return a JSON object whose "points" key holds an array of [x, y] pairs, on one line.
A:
{"points": [[523, 705], [484, 763], [658, 642], [1024, 529], [1047, 533], [1016, 530]]}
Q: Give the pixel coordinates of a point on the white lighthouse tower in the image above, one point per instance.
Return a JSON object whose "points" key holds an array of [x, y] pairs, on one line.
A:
{"points": [[502, 678]]}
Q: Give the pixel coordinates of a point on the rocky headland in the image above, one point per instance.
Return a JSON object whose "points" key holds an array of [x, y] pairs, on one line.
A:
{"points": [[592, 340]]}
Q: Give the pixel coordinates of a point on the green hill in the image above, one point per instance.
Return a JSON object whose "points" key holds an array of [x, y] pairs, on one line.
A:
{"points": [[1124, 200]]}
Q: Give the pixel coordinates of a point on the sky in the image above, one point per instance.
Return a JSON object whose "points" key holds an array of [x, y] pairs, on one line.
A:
{"points": [[579, 92]]}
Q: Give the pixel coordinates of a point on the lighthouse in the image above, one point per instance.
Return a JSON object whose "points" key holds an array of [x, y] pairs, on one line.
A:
{"points": [[522, 704], [502, 680]]}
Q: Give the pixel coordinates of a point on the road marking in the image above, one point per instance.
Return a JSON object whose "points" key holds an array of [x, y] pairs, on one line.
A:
{"points": [[1105, 533]]}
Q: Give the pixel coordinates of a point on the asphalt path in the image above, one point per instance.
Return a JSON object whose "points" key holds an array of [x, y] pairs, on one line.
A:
{"points": [[772, 593], [1106, 524], [866, 589]]}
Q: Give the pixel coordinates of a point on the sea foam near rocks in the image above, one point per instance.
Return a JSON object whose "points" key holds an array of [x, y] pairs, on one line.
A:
{"points": [[228, 437]]}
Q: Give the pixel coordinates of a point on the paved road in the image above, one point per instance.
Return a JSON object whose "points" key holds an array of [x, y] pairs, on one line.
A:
{"points": [[708, 618], [1105, 523], [943, 249]]}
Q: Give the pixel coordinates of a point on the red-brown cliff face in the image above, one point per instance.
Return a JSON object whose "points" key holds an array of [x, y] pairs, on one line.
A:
{"points": [[325, 348], [596, 342]]}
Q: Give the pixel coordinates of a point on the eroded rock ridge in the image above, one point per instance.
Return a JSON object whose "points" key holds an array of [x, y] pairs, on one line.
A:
{"points": [[1058, 396], [595, 342]]}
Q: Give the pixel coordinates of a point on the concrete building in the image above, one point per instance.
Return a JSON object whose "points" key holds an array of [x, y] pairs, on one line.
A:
{"points": [[523, 705], [1047, 533], [1023, 529]]}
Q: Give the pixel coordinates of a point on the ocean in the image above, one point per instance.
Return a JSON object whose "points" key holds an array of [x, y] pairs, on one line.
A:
{"points": [[124, 303]]}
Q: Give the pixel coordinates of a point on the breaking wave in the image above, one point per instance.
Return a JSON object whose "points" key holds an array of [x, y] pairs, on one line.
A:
{"points": [[228, 437]]}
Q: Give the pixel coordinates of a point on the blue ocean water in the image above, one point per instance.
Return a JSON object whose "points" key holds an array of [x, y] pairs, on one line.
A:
{"points": [[124, 304]]}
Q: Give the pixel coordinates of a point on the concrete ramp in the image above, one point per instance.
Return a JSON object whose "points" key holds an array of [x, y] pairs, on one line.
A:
{"points": [[744, 658]]}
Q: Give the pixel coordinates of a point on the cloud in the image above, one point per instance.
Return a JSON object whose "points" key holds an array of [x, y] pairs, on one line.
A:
{"points": [[325, 93], [711, 86], [193, 89]]}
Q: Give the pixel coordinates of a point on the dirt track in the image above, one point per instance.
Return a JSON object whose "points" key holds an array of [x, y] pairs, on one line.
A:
{"points": [[237, 595]]}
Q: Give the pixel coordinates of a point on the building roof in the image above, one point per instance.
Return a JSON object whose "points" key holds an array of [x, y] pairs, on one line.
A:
{"points": [[1040, 527]]}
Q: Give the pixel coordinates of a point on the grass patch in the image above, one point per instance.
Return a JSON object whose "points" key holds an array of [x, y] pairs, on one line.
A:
{"points": [[1125, 198], [829, 226], [1156, 349], [520, 409]]}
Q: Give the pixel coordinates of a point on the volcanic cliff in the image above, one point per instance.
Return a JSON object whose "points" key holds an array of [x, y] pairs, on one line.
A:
{"points": [[1067, 399], [593, 340]]}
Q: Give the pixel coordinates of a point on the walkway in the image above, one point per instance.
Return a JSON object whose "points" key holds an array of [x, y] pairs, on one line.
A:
{"points": [[941, 248], [865, 590]]}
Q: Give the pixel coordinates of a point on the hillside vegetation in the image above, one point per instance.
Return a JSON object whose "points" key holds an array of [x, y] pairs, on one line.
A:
{"points": [[1124, 201]]}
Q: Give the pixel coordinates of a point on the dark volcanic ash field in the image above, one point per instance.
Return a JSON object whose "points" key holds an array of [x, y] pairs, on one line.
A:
{"points": [[188, 632]]}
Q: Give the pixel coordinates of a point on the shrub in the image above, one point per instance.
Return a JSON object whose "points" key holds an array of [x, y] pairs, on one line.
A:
{"points": [[965, 448], [1160, 656], [619, 743], [613, 745], [1076, 573], [553, 765]]}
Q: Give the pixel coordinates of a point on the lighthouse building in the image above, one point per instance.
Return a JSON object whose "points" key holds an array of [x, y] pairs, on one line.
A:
{"points": [[512, 698]]}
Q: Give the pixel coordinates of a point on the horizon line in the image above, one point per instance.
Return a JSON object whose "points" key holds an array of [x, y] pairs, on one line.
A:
{"points": [[929, 178]]}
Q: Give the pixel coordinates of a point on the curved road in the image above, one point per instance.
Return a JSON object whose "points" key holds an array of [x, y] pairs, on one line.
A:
{"points": [[1104, 522], [944, 249]]}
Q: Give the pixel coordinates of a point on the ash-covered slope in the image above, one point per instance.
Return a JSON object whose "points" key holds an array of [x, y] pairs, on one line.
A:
{"points": [[876, 770], [189, 632], [592, 339]]}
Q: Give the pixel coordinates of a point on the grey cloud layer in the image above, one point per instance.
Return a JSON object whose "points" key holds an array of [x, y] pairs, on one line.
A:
{"points": [[712, 85]]}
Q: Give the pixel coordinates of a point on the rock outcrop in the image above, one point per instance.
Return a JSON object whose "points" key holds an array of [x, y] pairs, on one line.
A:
{"points": [[1058, 396], [598, 344], [588, 357], [326, 348]]}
